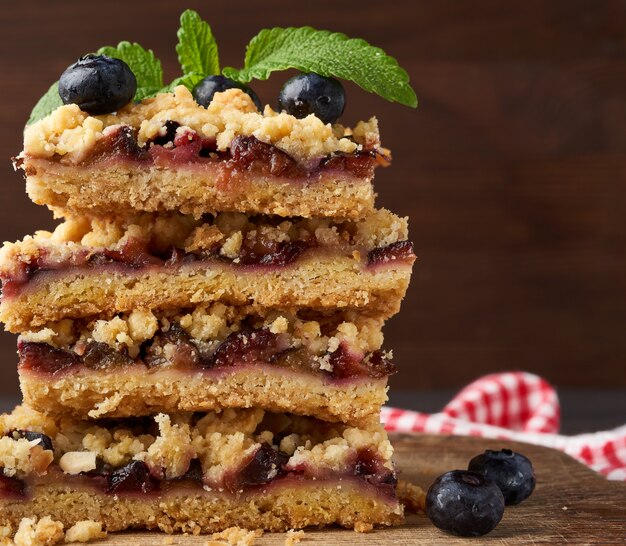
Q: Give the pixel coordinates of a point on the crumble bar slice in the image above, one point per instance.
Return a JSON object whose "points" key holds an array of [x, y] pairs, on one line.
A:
{"points": [[170, 154], [98, 267], [196, 472], [208, 358]]}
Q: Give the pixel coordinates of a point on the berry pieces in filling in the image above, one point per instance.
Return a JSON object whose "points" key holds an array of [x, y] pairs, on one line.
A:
{"points": [[341, 346], [148, 241]]}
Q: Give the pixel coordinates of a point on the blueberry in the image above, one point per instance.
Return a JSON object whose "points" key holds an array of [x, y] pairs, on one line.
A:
{"points": [[204, 91], [261, 468], [98, 84], [44, 441], [464, 503], [313, 94], [133, 478], [511, 471]]}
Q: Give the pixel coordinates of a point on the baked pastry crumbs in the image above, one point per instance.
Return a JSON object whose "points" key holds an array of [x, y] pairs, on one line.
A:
{"points": [[236, 536], [45, 532], [85, 531], [293, 537], [412, 496]]}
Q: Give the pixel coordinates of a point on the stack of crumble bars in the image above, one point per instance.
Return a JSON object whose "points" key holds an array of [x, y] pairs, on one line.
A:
{"points": [[200, 338]]}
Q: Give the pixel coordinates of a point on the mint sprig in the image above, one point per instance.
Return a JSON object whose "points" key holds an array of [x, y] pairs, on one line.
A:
{"points": [[196, 48], [330, 54], [326, 53], [188, 80]]}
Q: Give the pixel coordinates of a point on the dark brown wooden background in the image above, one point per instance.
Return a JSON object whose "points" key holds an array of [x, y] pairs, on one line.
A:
{"points": [[512, 169]]}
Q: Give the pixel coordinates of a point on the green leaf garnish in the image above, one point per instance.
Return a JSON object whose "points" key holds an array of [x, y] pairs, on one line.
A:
{"points": [[188, 80], [330, 54], [46, 104], [146, 67], [196, 48]]}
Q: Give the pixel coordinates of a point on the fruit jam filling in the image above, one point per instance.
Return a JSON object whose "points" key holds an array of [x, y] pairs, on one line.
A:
{"points": [[339, 346], [151, 455], [176, 145], [174, 240]]}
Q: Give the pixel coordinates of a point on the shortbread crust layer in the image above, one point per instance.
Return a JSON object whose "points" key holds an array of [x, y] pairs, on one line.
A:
{"points": [[324, 283], [135, 391], [124, 188], [280, 509]]}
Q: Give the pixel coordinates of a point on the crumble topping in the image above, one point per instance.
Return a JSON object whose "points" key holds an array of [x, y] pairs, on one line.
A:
{"points": [[212, 324], [70, 132], [220, 441], [226, 232], [22, 455]]}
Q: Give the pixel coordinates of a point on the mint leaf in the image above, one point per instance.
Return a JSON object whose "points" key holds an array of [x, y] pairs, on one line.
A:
{"points": [[146, 67], [196, 48], [46, 104], [146, 92], [188, 80], [328, 54]]}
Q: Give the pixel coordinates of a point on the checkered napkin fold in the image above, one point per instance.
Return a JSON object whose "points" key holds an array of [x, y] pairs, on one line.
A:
{"points": [[516, 406]]}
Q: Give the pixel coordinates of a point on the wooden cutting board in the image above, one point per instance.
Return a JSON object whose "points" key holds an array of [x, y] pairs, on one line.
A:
{"points": [[571, 504]]}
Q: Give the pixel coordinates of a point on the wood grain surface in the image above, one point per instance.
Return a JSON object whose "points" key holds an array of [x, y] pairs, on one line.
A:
{"points": [[512, 169], [571, 504]]}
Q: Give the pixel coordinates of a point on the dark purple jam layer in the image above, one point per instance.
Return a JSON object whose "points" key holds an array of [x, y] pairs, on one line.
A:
{"points": [[246, 347], [264, 467], [11, 488], [402, 250], [135, 256], [246, 154]]}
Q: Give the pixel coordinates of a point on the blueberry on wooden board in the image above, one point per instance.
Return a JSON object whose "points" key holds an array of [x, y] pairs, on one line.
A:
{"points": [[512, 472], [464, 503]]}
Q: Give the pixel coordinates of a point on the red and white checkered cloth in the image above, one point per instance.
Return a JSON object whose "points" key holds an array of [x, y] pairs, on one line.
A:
{"points": [[516, 406]]}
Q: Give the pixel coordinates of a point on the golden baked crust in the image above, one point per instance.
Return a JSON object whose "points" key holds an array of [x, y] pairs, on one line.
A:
{"points": [[135, 391], [321, 281], [275, 509], [123, 189]]}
